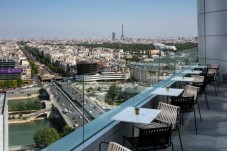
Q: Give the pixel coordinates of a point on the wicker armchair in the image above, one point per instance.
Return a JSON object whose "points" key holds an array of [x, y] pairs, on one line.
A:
{"points": [[187, 105], [192, 91], [112, 146], [202, 84], [151, 139], [211, 77], [169, 114]]}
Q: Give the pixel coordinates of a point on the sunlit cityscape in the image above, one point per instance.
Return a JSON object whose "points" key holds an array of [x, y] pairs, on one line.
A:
{"points": [[98, 75]]}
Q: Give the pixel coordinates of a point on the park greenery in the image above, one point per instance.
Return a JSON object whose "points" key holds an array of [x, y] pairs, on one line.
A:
{"points": [[45, 137], [183, 46], [6, 84], [66, 130], [116, 96], [126, 47], [34, 68], [26, 106], [136, 48]]}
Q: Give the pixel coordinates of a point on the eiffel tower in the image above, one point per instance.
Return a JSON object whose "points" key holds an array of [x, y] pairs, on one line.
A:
{"points": [[122, 33]]}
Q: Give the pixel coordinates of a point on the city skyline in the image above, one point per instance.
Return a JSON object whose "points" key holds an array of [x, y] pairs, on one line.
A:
{"points": [[97, 19]]}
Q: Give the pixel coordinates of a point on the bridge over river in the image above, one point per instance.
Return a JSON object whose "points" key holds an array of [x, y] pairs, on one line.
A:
{"points": [[34, 115]]}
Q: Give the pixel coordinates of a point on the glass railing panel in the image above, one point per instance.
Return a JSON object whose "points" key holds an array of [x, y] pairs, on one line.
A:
{"points": [[97, 109]]}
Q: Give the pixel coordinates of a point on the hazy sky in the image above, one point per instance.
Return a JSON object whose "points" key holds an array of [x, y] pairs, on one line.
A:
{"points": [[97, 18]]}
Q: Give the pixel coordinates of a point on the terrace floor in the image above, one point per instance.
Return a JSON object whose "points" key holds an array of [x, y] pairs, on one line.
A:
{"points": [[212, 131]]}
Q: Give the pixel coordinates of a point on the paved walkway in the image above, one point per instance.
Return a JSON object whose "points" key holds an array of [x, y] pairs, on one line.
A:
{"points": [[212, 131]]}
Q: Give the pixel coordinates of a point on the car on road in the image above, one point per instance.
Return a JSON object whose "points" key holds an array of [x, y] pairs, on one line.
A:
{"points": [[75, 124], [66, 111]]}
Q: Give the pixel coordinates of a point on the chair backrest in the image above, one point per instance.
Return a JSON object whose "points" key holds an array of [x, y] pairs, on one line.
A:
{"points": [[212, 71], [214, 66], [155, 136], [168, 114], [116, 147], [198, 78], [201, 82], [204, 72], [190, 91], [185, 103]]}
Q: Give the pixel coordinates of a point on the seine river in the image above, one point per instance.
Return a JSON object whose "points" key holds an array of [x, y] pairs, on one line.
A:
{"points": [[22, 133]]}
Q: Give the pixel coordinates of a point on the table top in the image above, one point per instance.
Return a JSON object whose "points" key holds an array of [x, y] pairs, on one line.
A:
{"points": [[145, 116], [171, 92], [199, 66], [192, 72], [185, 79]]}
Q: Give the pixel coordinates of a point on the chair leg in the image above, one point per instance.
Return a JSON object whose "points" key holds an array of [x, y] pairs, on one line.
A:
{"points": [[100, 147], [195, 123], [179, 137], [172, 147], [182, 118], [217, 83], [215, 88], [199, 112], [205, 93]]}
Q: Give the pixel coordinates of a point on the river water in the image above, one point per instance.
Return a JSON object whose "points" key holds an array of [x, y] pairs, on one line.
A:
{"points": [[22, 133]]}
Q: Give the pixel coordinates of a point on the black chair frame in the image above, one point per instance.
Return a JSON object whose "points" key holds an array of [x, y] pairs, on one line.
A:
{"points": [[150, 139], [202, 90], [186, 105]]}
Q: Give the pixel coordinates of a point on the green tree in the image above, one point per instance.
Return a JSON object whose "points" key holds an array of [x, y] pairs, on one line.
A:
{"points": [[21, 106], [34, 68], [66, 130], [1, 85], [20, 82], [112, 93], [36, 105], [29, 105], [13, 83], [28, 95], [6, 84], [45, 137]]}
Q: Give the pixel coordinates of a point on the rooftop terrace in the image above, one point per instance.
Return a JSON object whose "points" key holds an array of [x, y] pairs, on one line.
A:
{"points": [[211, 131]]}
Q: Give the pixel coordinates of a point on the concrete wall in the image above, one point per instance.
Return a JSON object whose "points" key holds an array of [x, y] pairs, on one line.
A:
{"points": [[212, 32]]}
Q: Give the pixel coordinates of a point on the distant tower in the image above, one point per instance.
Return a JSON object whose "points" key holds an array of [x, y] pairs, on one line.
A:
{"points": [[122, 33], [113, 36]]}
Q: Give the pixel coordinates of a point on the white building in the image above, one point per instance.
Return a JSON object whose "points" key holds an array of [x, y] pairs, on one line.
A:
{"points": [[115, 76], [3, 122], [160, 46]]}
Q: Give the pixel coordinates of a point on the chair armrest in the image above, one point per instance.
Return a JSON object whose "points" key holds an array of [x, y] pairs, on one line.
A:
{"points": [[133, 128], [100, 145], [197, 84]]}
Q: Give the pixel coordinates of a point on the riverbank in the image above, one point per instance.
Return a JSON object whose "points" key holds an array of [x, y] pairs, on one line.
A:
{"points": [[22, 133], [17, 121], [24, 147], [22, 97]]}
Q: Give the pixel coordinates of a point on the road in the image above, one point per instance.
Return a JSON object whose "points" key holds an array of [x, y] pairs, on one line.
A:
{"points": [[91, 109], [73, 117]]}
